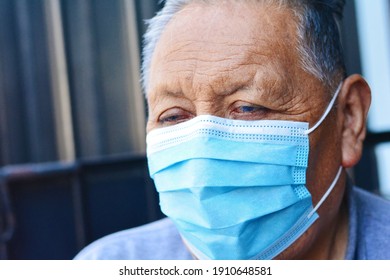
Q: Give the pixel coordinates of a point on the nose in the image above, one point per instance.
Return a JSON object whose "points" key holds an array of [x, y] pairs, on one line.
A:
{"points": [[213, 105]]}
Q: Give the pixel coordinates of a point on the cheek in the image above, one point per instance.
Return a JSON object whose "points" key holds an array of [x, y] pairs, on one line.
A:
{"points": [[324, 158]]}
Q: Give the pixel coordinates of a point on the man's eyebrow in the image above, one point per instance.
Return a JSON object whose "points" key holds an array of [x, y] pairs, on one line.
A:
{"points": [[239, 87], [165, 90], [273, 91], [270, 86], [225, 92], [170, 93]]}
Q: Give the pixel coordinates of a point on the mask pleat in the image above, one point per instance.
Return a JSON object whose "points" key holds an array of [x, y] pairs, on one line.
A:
{"points": [[235, 189]]}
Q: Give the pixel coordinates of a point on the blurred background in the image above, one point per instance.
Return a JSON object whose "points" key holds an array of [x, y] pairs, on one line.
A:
{"points": [[72, 119]]}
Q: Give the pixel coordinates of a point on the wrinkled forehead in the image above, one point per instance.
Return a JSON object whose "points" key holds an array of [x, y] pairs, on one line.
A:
{"points": [[232, 22], [226, 36]]}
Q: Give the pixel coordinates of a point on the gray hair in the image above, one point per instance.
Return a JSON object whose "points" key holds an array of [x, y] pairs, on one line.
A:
{"points": [[318, 33]]}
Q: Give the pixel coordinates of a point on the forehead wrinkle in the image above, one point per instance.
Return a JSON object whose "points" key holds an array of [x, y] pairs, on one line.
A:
{"points": [[224, 81], [201, 65], [226, 86], [229, 69]]}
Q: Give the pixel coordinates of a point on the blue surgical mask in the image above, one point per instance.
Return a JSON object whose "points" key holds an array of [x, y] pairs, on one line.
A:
{"points": [[235, 189]]}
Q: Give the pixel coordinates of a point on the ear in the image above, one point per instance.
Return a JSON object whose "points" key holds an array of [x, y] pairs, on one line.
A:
{"points": [[353, 104]]}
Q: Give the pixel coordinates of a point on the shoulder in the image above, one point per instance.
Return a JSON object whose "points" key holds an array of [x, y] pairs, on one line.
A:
{"points": [[371, 205], [157, 240], [373, 221]]}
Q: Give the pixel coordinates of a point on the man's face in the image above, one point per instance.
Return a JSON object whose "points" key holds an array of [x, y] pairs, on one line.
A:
{"points": [[240, 61]]}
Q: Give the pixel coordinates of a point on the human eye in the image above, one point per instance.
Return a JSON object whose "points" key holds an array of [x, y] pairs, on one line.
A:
{"points": [[247, 109], [174, 116], [243, 110]]}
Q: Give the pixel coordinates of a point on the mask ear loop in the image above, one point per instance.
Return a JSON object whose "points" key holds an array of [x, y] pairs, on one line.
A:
{"points": [[324, 197], [330, 106], [326, 193]]}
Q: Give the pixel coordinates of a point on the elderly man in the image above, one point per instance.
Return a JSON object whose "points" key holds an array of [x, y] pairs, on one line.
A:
{"points": [[252, 123]]}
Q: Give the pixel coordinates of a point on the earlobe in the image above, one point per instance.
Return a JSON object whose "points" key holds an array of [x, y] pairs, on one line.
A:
{"points": [[354, 102]]}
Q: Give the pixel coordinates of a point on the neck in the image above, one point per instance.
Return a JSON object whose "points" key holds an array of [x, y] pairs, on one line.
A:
{"points": [[332, 244], [340, 238]]}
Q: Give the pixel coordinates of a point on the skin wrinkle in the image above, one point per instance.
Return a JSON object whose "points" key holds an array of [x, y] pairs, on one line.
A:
{"points": [[316, 63], [199, 97], [200, 59], [286, 75], [264, 70], [231, 69]]}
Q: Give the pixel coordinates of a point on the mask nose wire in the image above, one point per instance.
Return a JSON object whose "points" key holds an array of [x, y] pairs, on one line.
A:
{"points": [[325, 114]]}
